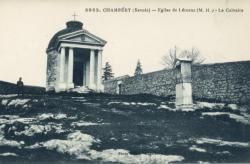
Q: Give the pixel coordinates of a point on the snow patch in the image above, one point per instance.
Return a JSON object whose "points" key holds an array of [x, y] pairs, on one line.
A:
{"points": [[132, 103], [223, 153], [45, 116], [9, 154], [35, 100], [167, 108], [11, 143], [236, 117], [10, 119], [5, 142], [18, 102], [77, 144], [9, 116], [195, 148], [123, 156], [125, 103], [8, 96], [203, 162], [201, 105], [39, 129], [60, 116], [163, 106], [83, 123], [146, 104], [4, 102], [79, 99], [219, 142], [233, 106]]}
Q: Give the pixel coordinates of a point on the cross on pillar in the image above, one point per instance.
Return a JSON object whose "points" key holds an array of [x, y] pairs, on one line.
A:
{"points": [[74, 15]]}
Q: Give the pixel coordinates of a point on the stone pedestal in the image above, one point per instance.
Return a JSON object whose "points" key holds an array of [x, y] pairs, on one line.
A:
{"points": [[184, 100], [184, 96], [60, 87]]}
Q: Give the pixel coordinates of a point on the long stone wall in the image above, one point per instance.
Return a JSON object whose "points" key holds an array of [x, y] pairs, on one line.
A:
{"points": [[160, 83], [227, 82]]}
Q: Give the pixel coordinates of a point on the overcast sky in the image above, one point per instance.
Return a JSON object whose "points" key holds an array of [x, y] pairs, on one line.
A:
{"points": [[27, 26]]}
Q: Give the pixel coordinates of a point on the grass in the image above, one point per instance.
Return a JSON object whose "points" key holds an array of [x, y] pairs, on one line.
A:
{"points": [[133, 123]]}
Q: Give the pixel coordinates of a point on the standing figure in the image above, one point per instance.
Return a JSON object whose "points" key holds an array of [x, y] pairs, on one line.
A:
{"points": [[19, 87]]}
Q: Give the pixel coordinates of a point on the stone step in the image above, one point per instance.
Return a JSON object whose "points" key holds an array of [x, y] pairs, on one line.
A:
{"points": [[80, 89]]}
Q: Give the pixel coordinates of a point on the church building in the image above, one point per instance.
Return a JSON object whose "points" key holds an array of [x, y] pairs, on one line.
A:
{"points": [[74, 59]]}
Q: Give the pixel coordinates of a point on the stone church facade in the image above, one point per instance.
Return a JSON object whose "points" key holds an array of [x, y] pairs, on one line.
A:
{"points": [[74, 59]]}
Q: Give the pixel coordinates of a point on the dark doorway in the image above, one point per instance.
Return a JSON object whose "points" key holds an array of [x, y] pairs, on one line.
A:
{"points": [[80, 58], [78, 73], [119, 89]]}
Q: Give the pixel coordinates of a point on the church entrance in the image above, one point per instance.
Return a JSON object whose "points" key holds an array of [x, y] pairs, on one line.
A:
{"points": [[80, 70], [78, 73]]}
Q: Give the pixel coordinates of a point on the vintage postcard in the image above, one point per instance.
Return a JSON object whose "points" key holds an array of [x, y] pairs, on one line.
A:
{"points": [[122, 81]]}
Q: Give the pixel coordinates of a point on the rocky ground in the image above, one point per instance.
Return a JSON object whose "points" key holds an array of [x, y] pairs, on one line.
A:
{"points": [[121, 129]]}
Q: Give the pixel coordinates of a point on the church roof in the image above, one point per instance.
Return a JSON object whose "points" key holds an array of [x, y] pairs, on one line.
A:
{"points": [[71, 27]]}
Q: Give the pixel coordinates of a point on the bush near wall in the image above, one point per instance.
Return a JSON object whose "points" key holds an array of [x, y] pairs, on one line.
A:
{"points": [[224, 82]]}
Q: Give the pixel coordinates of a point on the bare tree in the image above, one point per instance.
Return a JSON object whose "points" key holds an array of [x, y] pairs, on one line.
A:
{"points": [[169, 60], [193, 54]]}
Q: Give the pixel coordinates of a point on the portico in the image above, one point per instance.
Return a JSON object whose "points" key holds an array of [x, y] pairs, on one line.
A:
{"points": [[78, 61]]}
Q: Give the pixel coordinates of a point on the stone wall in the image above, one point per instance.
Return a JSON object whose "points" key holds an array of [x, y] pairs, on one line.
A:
{"points": [[228, 82], [160, 83]]}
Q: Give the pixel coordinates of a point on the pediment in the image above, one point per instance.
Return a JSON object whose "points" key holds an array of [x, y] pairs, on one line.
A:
{"points": [[83, 37]]}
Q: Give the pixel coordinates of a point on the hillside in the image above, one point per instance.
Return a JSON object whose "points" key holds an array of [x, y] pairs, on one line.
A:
{"points": [[10, 88], [125, 129]]}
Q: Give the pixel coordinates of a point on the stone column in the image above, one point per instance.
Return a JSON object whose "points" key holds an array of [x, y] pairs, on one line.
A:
{"points": [[70, 83], [62, 63], [87, 72], [61, 83], [99, 71], [92, 70], [184, 85]]}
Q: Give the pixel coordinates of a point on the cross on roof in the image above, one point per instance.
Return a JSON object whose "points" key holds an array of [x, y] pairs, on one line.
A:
{"points": [[74, 15]]}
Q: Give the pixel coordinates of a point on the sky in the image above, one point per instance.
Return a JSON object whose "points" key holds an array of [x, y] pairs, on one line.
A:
{"points": [[27, 27]]}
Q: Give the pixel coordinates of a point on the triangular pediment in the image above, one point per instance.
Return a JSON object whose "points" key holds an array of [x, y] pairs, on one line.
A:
{"points": [[84, 37]]}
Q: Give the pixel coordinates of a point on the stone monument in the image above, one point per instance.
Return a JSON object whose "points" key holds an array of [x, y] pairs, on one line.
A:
{"points": [[183, 84]]}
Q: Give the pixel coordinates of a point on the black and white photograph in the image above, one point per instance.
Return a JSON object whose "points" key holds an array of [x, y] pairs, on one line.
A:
{"points": [[124, 81]]}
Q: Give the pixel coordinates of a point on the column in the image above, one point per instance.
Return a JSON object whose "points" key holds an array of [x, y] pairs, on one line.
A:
{"points": [[92, 69], [99, 71], [70, 83], [184, 85], [62, 63], [87, 72], [61, 86]]}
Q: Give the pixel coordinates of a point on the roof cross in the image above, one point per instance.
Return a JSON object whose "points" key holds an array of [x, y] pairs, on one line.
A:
{"points": [[74, 15]]}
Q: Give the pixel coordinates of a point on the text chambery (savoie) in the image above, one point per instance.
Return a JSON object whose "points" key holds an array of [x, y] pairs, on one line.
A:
{"points": [[164, 10]]}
